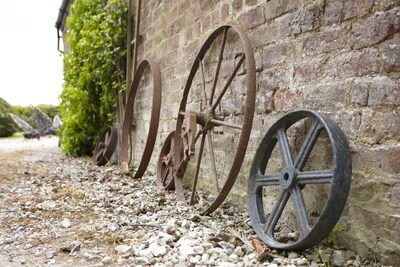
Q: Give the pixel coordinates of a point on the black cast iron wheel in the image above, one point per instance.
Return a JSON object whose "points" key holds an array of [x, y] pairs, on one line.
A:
{"points": [[292, 180], [105, 147]]}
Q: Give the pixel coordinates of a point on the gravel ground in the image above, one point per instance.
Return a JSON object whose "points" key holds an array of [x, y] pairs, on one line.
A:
{"points": [[62, 211]]}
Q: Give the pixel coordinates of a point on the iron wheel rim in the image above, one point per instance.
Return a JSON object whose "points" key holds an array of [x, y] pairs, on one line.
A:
{"points": [[310, 235]]}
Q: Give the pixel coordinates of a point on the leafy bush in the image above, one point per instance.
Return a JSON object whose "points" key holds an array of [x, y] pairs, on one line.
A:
{"points": [[25, 113], [49, 110], [7, 125], [93, 71]]}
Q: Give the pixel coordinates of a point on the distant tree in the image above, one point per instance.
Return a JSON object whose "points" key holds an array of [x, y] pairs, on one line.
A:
{"points": [[25, 113], [49, 110], [7, 125]]}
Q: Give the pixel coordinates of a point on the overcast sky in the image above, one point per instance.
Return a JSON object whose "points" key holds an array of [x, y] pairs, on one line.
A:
{"points": [[30, 64]]}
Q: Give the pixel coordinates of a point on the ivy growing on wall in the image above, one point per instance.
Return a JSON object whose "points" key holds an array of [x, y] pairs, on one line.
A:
{"points": [[94, 71]]}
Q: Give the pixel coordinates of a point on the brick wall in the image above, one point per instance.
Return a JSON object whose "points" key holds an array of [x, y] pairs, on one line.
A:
{"points": [[338, 57]]}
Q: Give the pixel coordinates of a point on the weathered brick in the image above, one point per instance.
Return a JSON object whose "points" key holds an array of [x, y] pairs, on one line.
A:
{"points": [[384, 5], [183, 7], [251, 2], [384, 158], [329, 40], [391, 58], [263, 35], [335, 96], [215, 18], [178, 25], [191, 48], [308, 72], [194, 13], [392, 123], [359, 93], [208, 6], [224, 12], [276, 8], [188, 35], [384, 91], [153, 4], [377, 28], [379, 127], [205, 23], [338, 11], [265, 102], [156, 14], [354, 63], [302, 21], [277, 54], [237, 5], [275, 78], [251, 18], [286, 100], [349, 121]]}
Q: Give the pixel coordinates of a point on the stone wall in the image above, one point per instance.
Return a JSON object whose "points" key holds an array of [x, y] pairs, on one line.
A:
{"points": [[338, 57]]}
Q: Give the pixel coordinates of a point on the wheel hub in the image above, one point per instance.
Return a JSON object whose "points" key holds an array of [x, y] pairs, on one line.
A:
{"points": [[205, 119], [288, 177]]}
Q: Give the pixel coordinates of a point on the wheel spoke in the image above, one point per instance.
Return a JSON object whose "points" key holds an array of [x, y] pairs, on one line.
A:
{"points": [[228, 83], [315, 177], [99, 155], [227, 124], [308, 145], [204, 83], [197, 136], [165, 174], [107, 139], [196, 176], [300, 210], [276, 213], [221, 54], [266, 180], [212, 156], [284, 148]]}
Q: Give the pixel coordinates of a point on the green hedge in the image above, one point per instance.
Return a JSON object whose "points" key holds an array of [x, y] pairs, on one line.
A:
{"points": [[94, 71]]}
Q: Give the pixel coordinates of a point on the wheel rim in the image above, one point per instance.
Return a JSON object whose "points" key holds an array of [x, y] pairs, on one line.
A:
{"points": [[154, 119], [105, 147], [165, 178], [292, 179], [213, 95]]}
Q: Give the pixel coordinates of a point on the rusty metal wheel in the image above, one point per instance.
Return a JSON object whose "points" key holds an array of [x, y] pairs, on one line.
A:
{"points": [[105, 147], [165, 164], [154, 119], [216, 109], [304, 157]]}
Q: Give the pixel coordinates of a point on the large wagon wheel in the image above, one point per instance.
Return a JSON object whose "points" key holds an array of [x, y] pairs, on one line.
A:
{"points": [[154, 120], [300, 180], [105, 147], [217, 108]]}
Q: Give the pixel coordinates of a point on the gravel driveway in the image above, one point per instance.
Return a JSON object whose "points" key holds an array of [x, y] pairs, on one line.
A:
{"points": [[62, 211]]}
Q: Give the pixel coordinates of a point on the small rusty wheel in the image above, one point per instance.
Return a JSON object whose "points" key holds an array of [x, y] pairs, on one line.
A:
{"points": [[311, 165], [165, 177], [216, 109], [154, 120], [105, 147]]}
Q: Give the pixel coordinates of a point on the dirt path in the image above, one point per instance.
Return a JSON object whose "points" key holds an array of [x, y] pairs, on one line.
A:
{"points": [[28, 231]]}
